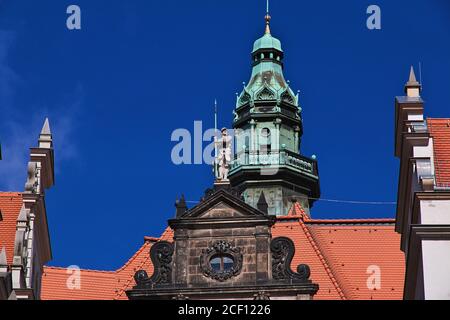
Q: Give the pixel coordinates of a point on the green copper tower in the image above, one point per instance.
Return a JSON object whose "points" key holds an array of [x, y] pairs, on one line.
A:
{"points": [[268, 130]]}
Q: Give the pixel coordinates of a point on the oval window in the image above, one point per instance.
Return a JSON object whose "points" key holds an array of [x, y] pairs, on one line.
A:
{"points": [[265, 132], [221, 263]]}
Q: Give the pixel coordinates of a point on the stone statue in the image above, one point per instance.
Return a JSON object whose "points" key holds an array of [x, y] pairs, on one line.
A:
{"points": [[223, 155]]}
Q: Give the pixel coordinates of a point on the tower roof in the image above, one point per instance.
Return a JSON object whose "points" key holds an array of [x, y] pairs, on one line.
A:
{"points": [[45, 137], [412, 81], [267, 81], [46, 127], [267, 41], [412, 87]]}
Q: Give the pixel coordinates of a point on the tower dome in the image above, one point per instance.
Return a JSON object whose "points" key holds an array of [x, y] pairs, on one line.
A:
{"points": [[267, 41], [267, 82]]}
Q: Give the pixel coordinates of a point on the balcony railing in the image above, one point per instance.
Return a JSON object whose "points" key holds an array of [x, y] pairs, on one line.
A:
{"points": [[274, 158]]}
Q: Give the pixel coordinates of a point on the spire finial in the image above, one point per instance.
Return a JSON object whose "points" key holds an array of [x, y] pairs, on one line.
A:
{"points": [[46, 127], [412, 76], [45, 138], [412, 87], [267, 18]]}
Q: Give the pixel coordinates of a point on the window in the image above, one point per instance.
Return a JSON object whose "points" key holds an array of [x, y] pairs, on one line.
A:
{"points": [[247, 142], [265, 141], [265, 132], [221, 263]]}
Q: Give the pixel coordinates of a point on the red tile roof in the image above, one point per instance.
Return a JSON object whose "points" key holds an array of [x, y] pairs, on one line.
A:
{"points": [[307, 252], [10, 205], [440, 132], [96, 284], [353, 251], [298, 211], [339, 253]]}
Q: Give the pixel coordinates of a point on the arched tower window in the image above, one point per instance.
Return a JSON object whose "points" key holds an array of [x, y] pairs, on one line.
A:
{"points": [[247, 142], [265, 141]]}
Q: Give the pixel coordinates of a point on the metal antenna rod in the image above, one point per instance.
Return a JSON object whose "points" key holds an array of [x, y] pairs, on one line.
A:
{"points": [[215, 137], [420, 74]]}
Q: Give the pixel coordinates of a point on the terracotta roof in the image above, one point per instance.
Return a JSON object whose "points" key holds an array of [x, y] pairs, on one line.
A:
{"points": [[167, 235], [339, 253], [355, 251], [10, 205], [298, 211], [307, 252], [440, 132], [125, 275], [96, 284]]}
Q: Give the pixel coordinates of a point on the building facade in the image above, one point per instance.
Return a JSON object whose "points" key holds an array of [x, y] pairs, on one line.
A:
{"points": [[24, 235], [252, 235], [423, 205]]}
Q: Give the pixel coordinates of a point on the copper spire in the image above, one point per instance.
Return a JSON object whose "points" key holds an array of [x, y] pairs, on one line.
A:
{"points": [[267, 18]]}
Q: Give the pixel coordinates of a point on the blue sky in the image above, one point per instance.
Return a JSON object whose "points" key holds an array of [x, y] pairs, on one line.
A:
{"points": [[137, 70]]}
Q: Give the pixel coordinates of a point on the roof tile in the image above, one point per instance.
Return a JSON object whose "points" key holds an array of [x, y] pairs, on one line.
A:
{"points": [[440, 132], [338, 252], [10, 205]]}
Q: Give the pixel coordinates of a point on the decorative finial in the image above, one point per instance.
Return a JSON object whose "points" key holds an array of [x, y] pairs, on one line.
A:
{"points": [[412, 77], [412, 87], [180, 205], [46, 127], [45, 138], [267, 18]]}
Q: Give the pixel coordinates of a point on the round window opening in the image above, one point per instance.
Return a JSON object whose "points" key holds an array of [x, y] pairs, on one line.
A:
{"points": [[221, 263], [265, 132]]}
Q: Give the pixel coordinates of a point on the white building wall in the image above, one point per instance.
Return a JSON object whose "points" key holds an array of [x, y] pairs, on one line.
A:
{"points": [[412, 117], [425, 152], [436, 266], [435, 212]]}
